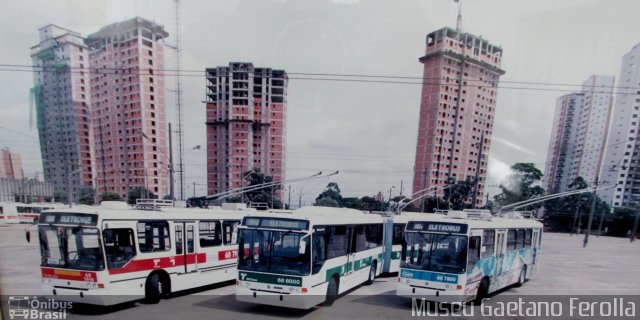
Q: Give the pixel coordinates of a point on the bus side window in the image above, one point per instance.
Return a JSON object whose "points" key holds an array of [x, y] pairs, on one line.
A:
{"points": [[527, 238], [520, 239], [153, 236], [359, 238], [209, 233], [488, 245], [336, 241], [179, 243], [374, 235], [230, 228], [474, 252], [118, 246], [319, 253], [511, 240]]}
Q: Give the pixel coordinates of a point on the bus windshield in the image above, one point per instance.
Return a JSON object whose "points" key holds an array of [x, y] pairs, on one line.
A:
{"points": [[435, 252], [283, 252], [71, 247]]}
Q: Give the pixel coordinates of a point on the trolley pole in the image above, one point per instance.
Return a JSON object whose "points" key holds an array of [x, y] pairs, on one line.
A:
{"points": [[593, 208]]}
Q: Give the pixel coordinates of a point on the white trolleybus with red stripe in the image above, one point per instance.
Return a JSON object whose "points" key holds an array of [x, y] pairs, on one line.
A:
{"points": [[460, 256], [110, 254]]}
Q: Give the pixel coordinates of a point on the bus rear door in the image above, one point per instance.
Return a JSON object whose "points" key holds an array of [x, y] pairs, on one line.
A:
{"points": [[501, 248]]}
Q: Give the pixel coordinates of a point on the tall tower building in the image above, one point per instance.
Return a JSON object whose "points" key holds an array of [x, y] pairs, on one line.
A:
{"points": [[457, 107], [62, 96], [10, 165], [621, 165], [579, 134], [246, 124], [128, 106]]}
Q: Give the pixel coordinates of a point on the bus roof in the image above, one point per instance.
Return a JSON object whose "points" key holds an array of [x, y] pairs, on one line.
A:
{"points": [[163, 214], [324, 215], [492, 223]]}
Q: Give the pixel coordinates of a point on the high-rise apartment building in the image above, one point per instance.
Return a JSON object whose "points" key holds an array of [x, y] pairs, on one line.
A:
{"points": [[457, 107], [10, 165], [246, 124], [62, 96], [128, 106], [579, 134], [621, 165]]}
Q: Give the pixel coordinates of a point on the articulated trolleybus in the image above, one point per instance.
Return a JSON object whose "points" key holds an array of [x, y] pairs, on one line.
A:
{"points": [[465, 255], [112, 254], [308, 256]]}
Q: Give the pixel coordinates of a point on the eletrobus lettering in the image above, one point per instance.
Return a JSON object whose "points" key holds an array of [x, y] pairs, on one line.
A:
{"points": [[444, 227]]}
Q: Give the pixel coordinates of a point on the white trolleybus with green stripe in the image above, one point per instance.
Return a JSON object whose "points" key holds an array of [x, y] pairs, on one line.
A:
{"points": [[307, 257], [462, 256]]}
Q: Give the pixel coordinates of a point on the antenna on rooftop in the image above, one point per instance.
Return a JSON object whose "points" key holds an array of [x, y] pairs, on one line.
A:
{"points": [[459, 22]]}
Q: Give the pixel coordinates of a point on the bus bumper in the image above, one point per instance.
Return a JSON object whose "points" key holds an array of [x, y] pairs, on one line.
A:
{"points": [[431, 294], [101, 297], [295, 301]]}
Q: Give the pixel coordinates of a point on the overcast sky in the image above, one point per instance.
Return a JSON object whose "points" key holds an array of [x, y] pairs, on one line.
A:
{"points": [[365, 130]]}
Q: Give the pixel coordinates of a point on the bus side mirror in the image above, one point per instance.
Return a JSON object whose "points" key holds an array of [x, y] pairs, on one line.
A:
{"points": [[302, 249], [27, 235]]}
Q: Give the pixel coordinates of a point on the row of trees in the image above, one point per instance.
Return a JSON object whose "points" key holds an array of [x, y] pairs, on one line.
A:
{"points": [[88, 196], [331, 197], [568, 213]]}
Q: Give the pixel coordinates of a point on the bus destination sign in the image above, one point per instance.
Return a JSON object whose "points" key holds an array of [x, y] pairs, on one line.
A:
{"points": [[437, 227], [275, 223], [69, 218]]}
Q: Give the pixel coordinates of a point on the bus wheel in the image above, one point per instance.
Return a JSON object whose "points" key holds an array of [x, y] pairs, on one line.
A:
{"points": [[152, 289], [483, 291], [332, 292], [372, 274], [522, 277]]}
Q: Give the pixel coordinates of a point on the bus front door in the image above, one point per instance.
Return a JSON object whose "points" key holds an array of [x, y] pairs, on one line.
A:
{"points": [[501, 247]]}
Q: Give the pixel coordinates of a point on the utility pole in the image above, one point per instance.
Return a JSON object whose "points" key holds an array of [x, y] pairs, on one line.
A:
{"points": [[477, 177], [575, 219], [424, 178], [401, 187], [289, 201], [634, 230], [600, 225], [300, 199], [171, 186], [194, 189], [593, 208]]}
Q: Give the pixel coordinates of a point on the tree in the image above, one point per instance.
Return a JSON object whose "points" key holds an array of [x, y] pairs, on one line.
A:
{"points": [[352, 202], [60, 197], [110, 196], [87, 196], [370, 203], [326, 202], [330, 196], [458, 192], [139, 193], [520, 185], [567, 213], [262, 195]]}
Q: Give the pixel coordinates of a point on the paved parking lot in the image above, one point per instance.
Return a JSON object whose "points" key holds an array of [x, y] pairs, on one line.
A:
{"points": [[608, 266]]}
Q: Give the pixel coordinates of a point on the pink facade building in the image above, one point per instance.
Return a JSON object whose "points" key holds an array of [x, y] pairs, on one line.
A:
{"points": [[10, 165], [246, 124], [457, 107], [128, 106], [62, 96]]}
